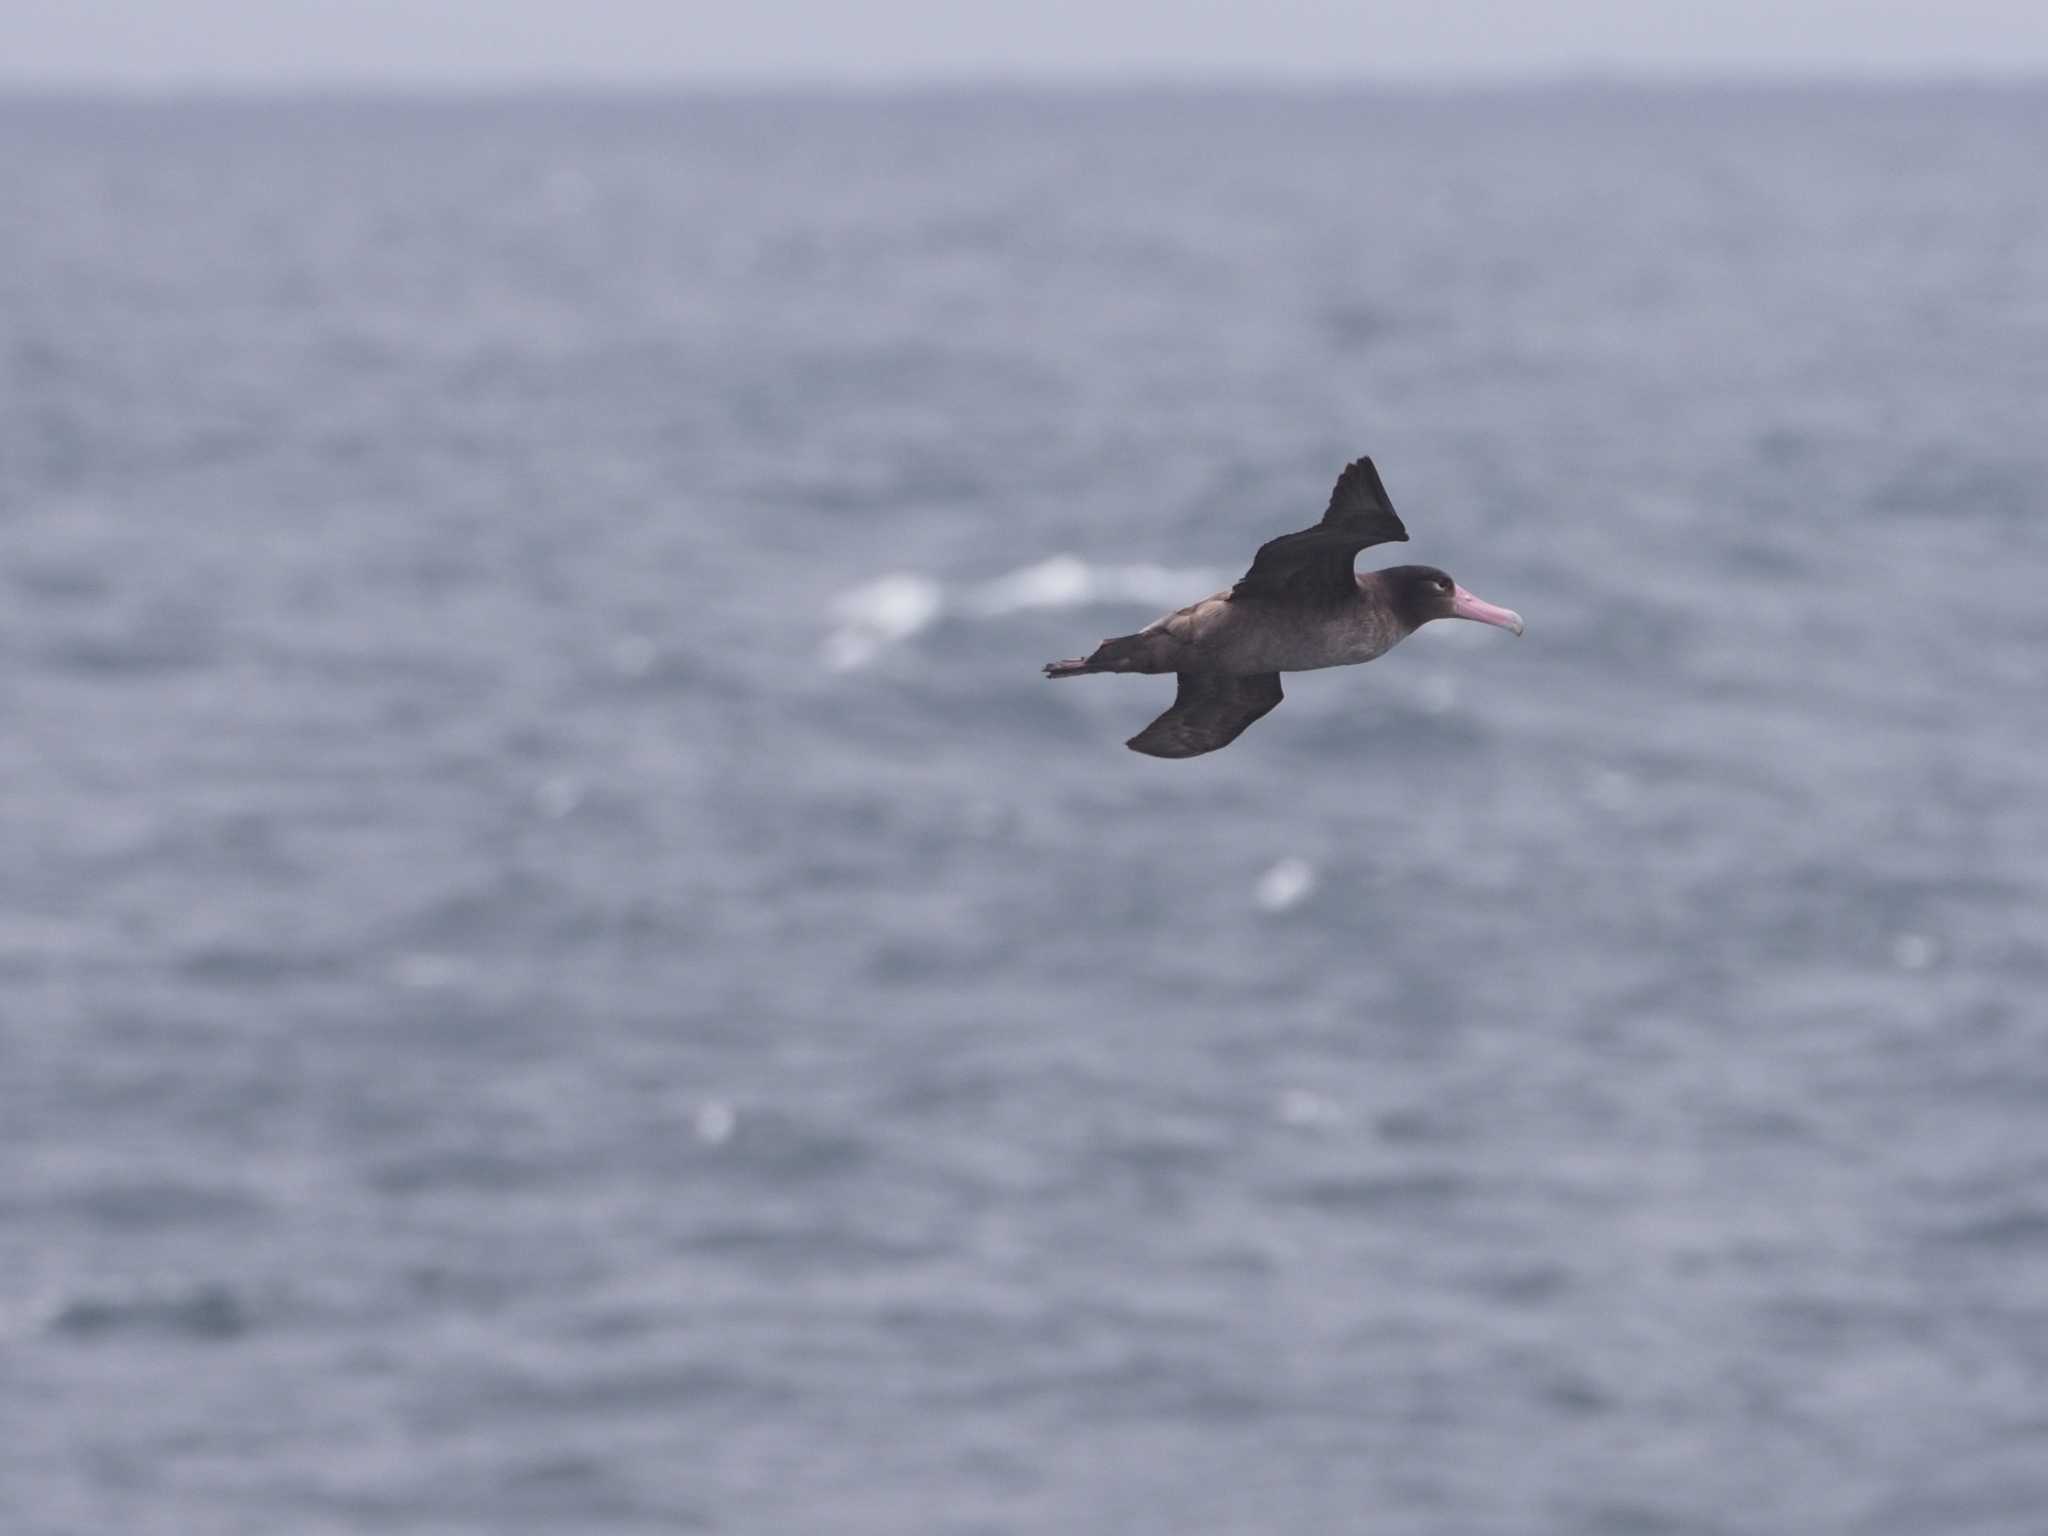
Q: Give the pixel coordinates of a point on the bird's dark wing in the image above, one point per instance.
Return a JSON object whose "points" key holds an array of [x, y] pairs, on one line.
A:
{"points": [[1314, 566], [1210, 710]]}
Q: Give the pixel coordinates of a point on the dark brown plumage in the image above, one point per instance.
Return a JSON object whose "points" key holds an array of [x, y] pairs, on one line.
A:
{"points": [[1301, 606], [1210, 710]]}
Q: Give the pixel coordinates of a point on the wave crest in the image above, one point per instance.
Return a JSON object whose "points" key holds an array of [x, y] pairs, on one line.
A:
{"points": [[894, 608]]}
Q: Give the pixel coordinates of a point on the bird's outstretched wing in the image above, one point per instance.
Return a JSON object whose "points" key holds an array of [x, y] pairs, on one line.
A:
{"points": [[1314, 566], [1210, 710]]}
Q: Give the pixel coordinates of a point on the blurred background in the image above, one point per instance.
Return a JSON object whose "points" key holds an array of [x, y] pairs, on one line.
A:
{"points": [[562, 970]]}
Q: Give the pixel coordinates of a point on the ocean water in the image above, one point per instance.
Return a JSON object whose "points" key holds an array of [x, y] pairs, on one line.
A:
{"points": [[562, 970]]}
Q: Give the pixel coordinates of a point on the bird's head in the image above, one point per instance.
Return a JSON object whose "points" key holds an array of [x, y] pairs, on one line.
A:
{"points": [[1419, 593]]}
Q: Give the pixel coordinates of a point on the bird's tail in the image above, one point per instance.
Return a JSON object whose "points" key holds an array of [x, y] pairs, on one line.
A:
{"points": [[1126, 653]]}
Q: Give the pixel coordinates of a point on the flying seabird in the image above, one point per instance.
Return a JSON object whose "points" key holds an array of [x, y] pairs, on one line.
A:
{"points": [[1299, 607]]}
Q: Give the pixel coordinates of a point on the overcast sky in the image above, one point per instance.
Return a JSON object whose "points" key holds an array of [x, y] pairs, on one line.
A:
{"points": [[486, 42]]}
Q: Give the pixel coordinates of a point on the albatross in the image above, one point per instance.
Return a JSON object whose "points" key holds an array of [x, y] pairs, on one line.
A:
{"points": [[1301, 606]]}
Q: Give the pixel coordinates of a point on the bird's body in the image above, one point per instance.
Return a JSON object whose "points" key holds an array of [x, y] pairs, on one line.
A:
{"points": [[1219, 634], [1299, 608]]}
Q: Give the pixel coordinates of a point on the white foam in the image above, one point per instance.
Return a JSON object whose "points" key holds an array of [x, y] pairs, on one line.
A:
{"points": [[894, 608], [557, 797], [1059, 582], [1067, 582], [1298, 1106], [715, 1122], [1286, 885], [1439, 693], [879, 614], [1915, 951]]}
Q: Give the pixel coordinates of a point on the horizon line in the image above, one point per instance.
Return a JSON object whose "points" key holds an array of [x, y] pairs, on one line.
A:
{"points": [[1016, 82]]}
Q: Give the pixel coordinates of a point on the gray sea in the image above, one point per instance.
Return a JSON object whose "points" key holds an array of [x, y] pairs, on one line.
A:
{"points": [[561, 970]]}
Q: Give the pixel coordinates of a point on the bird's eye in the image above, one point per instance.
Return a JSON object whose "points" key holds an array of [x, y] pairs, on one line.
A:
{"points": [[1443, 584]]}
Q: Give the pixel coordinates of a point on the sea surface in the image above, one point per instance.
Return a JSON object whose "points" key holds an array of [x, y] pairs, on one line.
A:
{"points": [[561, 969]]}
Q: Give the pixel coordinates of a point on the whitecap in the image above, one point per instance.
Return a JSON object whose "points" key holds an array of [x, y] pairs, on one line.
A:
{"points": [[557, 797], [1286, 885], [1065, 581], [894, 608], [1439, 693], [1915, 951], [1300, 1107], [715, 1122], [883, 612]]}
